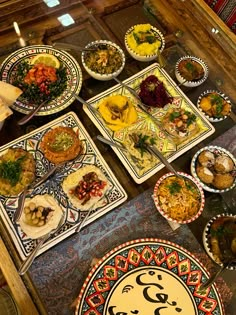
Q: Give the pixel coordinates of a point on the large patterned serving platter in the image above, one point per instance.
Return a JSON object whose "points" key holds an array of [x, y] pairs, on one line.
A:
{"points": [[168, 146], [73, 70], [148, 276], [91, 156]]}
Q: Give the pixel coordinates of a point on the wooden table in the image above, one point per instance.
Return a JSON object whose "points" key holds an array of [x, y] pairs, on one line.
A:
{"points": [[189, 27]]}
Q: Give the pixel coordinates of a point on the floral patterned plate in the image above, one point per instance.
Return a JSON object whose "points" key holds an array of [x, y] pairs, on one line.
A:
{"points": [[144, 123], [148, 276], [91, 156], [74, 77]]}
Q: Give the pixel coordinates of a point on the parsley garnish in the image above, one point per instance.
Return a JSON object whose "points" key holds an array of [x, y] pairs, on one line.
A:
{"points": [[174, 115], [11, 170], [174, 188]]}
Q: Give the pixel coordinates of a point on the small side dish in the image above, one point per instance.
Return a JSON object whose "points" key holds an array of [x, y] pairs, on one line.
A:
{"points": [[85, 187], [191, 71], [143, 41], [215, 168], [180, 124], [179, 200], [40, 78], [215, 105], [118, 111], [153, 92], [107, 60], [135, 142], [61, 144], [219, 238], [41, 215], [17, 171]]}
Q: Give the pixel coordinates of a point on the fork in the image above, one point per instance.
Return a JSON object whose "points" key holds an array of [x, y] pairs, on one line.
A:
{"points": [[29, 260]]}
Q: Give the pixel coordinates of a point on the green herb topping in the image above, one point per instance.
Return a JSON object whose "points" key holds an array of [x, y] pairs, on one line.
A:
{"points": [[11, 171], [174, 188]]}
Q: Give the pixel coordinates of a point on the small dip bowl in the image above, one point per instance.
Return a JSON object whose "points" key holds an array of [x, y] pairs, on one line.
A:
{"points": [[104, 63], [214, 230], [191, 71], [215, 105], [215, 169], [144, 51], [167, 191]]}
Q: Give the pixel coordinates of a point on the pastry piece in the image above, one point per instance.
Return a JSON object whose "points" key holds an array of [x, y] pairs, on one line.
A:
{"points": [[223, 164], [206, 158], [85, 187], [223, 181], [205, 174], [61, 144], [9, 93]]}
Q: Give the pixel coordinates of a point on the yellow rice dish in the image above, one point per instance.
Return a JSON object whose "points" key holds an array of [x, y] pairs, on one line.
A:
{"points": [[143, 40], [179, 199], [118, 112]]}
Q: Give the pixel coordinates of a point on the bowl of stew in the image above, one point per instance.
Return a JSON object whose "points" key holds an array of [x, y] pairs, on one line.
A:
{"points": [[191, 71], [106, 61]]}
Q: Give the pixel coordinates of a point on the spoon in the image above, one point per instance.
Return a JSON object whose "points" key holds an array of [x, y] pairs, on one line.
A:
{"points": [[29, 260], [31, 114], [121, 147]]}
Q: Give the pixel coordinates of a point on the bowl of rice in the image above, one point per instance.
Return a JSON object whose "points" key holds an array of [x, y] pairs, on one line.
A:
{"points": [[106, 61], [144, 41], [180, 200]]}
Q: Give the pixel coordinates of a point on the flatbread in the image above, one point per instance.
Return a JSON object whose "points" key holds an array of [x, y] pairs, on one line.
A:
{"points": [[72, 180], [38, 231], [5, 111], [9, 93]]}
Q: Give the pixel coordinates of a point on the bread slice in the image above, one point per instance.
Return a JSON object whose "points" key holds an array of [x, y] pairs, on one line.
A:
{"points": [[5, 111], [9, 93]]}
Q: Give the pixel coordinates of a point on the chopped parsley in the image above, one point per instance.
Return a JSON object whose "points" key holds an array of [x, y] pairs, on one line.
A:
{"points": [[141, 142], [174, 188], [11, 170], [174, 115]]}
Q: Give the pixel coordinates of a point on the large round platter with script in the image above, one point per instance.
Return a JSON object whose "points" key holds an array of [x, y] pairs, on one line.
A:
{"points": [[148, 277]]}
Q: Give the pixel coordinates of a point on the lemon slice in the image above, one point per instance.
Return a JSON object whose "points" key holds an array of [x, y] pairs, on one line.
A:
{"points": [[47, 59]]}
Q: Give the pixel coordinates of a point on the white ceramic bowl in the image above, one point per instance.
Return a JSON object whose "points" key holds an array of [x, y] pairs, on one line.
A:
{"points": [[192, 83], [211, 118], [164, 214], [97, 75], [217, 151], [136, 55], [207, 235]]}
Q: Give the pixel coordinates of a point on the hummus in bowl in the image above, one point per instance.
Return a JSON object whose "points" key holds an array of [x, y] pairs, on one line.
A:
{"points": [[35, 224]]}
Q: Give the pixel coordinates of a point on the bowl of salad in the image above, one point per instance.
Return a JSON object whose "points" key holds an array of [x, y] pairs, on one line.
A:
{"points": [[144, 41], [104, 61]]}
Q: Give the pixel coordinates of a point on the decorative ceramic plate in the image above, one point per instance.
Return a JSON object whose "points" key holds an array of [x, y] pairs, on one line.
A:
{"points": [[74, 77], [206, 237], [223, 96], [217, 151], [148, 276], [91, 156], [165, 144]]}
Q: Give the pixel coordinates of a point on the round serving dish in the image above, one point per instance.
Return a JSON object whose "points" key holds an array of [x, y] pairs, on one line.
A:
{"points": [[196, 185], [99, 75], [206, 237], [144, 57], [209, 104], [217, 151], [191, 83]]}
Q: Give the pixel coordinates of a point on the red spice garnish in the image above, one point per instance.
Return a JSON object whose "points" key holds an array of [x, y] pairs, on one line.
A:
{"points": [[153, 93]]}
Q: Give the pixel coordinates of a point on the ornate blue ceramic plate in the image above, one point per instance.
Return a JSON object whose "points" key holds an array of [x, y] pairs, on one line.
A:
{"points": [[91, 156], [166, 145], [148, 276], [74, 77]]}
